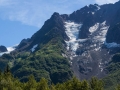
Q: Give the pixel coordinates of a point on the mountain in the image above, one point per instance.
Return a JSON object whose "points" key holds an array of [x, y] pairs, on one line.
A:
{"points": [[81, 44], [3, 49]]}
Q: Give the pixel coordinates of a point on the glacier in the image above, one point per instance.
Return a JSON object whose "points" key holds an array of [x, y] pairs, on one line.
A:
{"points": [[72, 31]]}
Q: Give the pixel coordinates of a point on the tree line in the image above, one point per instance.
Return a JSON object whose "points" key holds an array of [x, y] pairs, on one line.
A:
{"points": [[8, 82]]}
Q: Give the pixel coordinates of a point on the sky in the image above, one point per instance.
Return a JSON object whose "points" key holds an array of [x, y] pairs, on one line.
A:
{"points": [[20, 19]]}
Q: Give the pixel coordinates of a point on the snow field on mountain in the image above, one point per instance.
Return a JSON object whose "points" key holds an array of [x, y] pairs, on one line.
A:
{"points": [[10, 49], [94, 28], [72, 31], [33, 49]]}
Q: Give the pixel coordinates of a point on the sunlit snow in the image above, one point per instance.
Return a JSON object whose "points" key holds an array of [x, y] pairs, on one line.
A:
{"points": [[98, 7], [101, 34], [33, 49], [94, 28], [10, 49], [93, 12], [72, 31]]}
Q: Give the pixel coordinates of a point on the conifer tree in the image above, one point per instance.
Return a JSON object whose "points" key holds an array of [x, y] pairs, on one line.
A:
{"points": [[118, 87], [43, 84], [96, 84], [31, 84], [84, 85], [7, 69]]}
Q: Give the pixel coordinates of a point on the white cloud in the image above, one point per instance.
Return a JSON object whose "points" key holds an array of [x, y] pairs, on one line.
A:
{"points": [[33, 12], [105, 1], [6, 2], [36, 12]]}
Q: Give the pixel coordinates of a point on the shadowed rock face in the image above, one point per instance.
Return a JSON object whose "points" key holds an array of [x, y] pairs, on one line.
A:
{"points": [[3, 49], [54, 24]]}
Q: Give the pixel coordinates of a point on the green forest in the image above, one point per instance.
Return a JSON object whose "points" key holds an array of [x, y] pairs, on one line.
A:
{"points": [[8, 82]]}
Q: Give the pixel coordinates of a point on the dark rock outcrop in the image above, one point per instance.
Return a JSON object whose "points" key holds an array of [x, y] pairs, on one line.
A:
{"points": [[3, 49]]}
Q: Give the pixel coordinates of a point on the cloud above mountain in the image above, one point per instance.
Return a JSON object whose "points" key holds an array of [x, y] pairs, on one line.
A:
{"points": [[105, 1], [35, 12], [32, 12]]}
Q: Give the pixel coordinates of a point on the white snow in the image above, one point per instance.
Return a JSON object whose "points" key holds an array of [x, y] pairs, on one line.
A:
{"points": [[98, 7], [87, 5], [101, 34], [100, 66], [64, 55], [93, 13], [2, 53], [72, 31], [112, 45], [33, 49], [94, 28], [10, 49], [82, 40]]}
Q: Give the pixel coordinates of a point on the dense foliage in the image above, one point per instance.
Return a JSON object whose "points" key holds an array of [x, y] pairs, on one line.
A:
{"points": [[113, 77], [46, 62], [7, 82]]}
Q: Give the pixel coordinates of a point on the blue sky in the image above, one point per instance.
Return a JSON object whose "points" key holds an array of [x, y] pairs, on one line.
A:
{"points": [[20, 19]]}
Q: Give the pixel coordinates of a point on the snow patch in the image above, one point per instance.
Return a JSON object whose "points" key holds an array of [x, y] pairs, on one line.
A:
{"points": [[87, 5], [10, 49], [72, 31], [2, 53], [82, 40], [100, 66], [94, 28], [64, 55], [98, 7], [112, 45], [93, 13], [33, 49], [100, 36]]}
